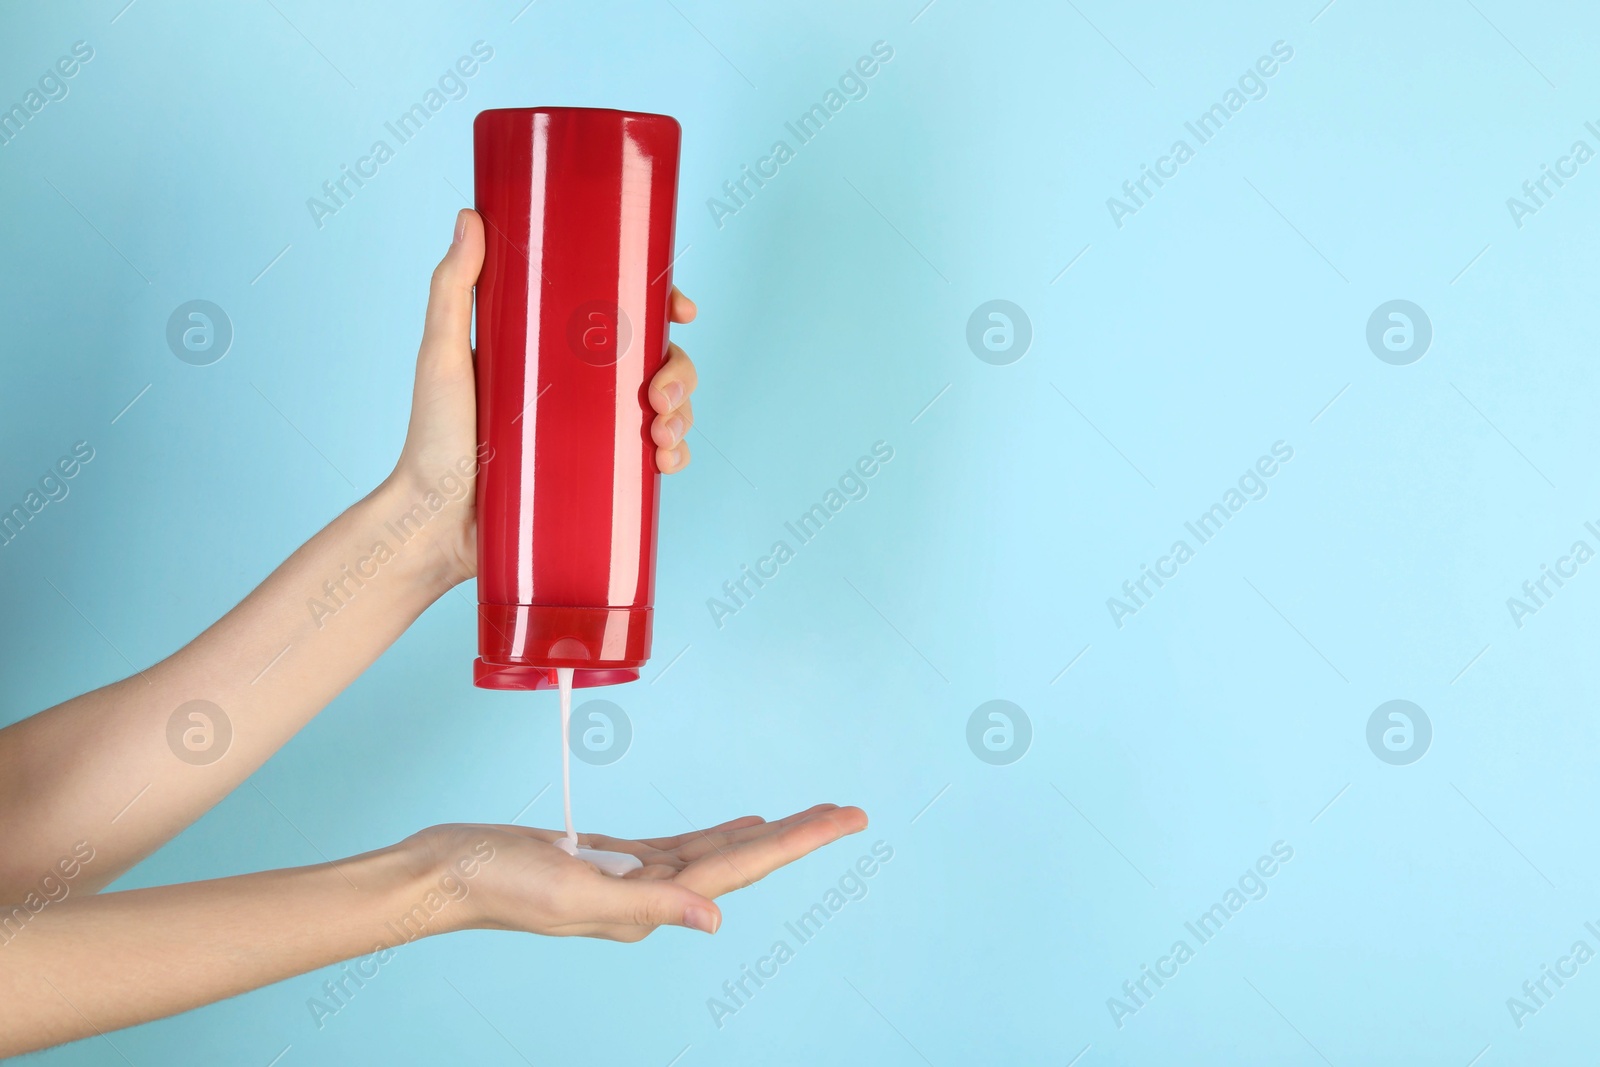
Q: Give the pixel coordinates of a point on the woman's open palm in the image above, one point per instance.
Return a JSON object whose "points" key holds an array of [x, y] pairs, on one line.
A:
{"points": [[530, 884]]}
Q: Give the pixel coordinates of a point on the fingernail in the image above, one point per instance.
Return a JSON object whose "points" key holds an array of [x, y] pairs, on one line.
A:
{"points": [[461, 226], [675, 428], [698, 918], [673, 391]]}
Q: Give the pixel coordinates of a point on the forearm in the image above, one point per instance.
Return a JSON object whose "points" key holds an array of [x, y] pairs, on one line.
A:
{"points": [[112, 767], [97, 963]]}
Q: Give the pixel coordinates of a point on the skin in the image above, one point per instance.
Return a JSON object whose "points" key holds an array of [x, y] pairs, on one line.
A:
{"points": [[90, 787]]}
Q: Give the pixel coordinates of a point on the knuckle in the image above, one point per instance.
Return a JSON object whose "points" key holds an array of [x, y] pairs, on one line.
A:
{"points": [[443, 280]]}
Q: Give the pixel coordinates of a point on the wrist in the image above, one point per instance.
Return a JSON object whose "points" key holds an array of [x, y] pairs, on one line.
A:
{"points": [[422, 531], [445, 866]]}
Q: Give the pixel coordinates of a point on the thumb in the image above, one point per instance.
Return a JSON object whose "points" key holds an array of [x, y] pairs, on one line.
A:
{"points": [[649, 903], [448, 331]]}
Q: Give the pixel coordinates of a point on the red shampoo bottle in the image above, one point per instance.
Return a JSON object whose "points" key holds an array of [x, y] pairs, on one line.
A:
{"points": [[578, 208]]}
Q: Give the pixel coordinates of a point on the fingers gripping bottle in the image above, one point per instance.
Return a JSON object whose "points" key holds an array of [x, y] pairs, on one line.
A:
{"points": [[578, 206]]}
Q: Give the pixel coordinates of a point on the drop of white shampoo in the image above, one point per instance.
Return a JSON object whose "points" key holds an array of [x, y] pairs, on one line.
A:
{"points": [[616, 863]]}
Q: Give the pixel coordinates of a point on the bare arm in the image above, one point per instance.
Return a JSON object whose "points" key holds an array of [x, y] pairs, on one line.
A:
{"points": [[92, 786], [269, 665], [98, 963], [126, 767], [91, 964]]}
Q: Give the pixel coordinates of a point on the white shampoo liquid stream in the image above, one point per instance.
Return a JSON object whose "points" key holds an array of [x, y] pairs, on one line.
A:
{"points": [[615, 863]]}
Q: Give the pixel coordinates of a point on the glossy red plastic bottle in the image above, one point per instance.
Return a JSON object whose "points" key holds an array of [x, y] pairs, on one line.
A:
{"points": [[578, 207]]}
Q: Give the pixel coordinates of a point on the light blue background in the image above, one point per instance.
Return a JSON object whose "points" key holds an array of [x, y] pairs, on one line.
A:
{"points": [[1223, 317]]}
